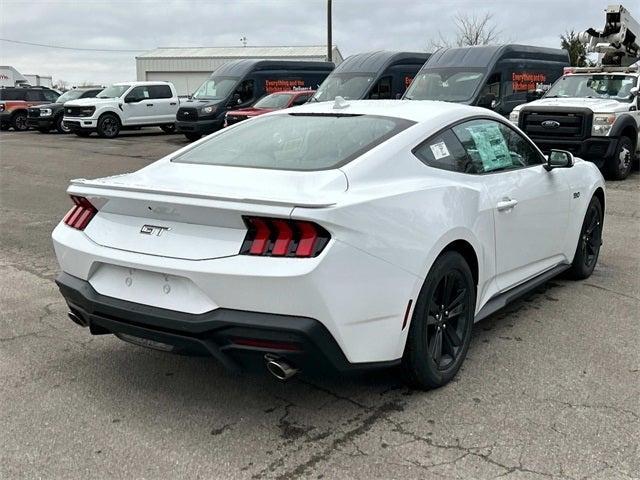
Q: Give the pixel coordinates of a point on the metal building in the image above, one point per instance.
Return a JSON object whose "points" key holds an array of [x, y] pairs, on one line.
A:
{"points": [[188, 67]]}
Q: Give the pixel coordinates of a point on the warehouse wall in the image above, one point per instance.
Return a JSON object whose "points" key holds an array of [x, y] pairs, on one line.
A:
{"points": [[185, 82]]}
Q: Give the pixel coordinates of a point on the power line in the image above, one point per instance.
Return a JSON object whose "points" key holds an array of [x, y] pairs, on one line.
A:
{"points": [[68, 48]]}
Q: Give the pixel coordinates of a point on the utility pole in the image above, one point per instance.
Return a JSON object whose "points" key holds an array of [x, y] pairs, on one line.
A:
{"points": [[329, 41]]}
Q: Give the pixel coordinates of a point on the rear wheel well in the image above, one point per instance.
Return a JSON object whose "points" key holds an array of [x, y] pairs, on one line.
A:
{"points": [[465, 249]]}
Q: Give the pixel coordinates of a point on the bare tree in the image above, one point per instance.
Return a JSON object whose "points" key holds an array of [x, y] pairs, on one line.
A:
{"points": [[61, 85], [471, 29]]}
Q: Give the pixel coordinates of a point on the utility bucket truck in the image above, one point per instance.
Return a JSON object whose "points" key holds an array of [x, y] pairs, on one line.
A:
{"points": [[594, 112]]}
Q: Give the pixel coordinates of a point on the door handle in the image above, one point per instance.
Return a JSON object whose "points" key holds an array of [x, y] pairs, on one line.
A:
{"points": [[173, 103], [149, 104], [506, 204]]}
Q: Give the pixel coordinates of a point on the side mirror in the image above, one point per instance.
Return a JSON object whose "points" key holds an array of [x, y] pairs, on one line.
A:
{"points": [[534, 95], [634, 91], [559, 159], [487, 101]]}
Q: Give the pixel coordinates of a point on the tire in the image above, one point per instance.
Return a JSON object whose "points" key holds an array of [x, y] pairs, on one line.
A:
{"points": [[19, 121], [589, 242], [60, 125], [43, 130], [82, 133], [168, 128], [193, 136], [438, 341], [618, 167], [108, 125]]}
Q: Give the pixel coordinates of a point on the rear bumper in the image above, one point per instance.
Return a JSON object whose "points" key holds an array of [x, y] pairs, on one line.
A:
{"points": [[238, 339], [203, 127], [593, 149]]}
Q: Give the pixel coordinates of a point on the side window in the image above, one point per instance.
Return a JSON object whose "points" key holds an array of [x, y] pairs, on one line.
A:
{"points": [[493, 146], [301, 99], [445, 151], [139, 93], [245, 90], [382, 89], [50, 95], [33, 96], [160, 91]]}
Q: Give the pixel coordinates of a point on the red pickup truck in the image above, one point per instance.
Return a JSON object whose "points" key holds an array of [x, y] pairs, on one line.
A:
{"points": [[275, 101]]}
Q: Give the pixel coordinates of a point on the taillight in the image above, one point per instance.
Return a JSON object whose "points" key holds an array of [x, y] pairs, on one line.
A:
{"points": [[1, 107], [80, 214], [279, 237]]}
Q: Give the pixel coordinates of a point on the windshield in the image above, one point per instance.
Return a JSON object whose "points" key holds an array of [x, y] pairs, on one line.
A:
{"points": [[346, 85], [114, 91], [614, 87], [301, 142], [275, 100], [70, 95], [445, 84], [216, 88]]}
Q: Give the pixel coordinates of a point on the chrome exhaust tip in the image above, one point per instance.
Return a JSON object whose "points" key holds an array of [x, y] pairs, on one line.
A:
{"points": [[279, 368], [77, 319]]}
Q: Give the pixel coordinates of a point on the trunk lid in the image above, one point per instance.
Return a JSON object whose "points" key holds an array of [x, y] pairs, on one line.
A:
{"points": [[195, 212]]}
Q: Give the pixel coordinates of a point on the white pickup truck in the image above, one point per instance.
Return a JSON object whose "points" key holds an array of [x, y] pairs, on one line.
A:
{"points": [[122, 105], [592, 112]]}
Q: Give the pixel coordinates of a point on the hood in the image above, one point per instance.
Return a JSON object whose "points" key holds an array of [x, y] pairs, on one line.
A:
{"points": [[87, 102], [194, 102], [251, 111], [597, 105]]}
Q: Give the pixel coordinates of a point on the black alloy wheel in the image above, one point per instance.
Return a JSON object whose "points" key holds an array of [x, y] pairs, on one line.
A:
{"points": [[440, 330], [108, 126], [20, 122], [589, 242]]}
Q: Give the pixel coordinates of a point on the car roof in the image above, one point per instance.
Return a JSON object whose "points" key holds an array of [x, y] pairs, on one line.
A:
{"points": [[414, 110], [379, 60], [484, 56]]}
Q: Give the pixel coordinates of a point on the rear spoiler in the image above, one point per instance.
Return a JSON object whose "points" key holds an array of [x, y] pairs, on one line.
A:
{"points": [[84, 187]]}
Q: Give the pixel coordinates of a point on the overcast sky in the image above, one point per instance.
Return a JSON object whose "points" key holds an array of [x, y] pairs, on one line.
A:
{"points": [[358, 25]]}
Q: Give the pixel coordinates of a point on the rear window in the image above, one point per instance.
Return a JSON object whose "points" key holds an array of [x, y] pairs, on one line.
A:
{"points": [[12, 94], [302, 142]]}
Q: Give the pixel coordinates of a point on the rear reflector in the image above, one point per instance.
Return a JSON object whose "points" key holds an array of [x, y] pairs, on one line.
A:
{"points": [[80, 214], [278, 237]]}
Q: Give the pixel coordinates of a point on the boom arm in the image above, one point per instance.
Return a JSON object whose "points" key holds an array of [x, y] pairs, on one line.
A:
{"points": [[619, 41]]}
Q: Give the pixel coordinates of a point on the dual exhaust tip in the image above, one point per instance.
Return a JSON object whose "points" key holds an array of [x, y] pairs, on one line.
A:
{"points": [[279, 368]]}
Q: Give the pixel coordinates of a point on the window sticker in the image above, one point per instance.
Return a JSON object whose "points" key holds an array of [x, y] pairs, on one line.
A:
{"points": [[491, 146], [439, 150]]}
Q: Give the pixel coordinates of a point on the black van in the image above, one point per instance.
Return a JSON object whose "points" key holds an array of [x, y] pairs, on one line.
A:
{"points": [[496, 76], [372, 75], [239, 84]]}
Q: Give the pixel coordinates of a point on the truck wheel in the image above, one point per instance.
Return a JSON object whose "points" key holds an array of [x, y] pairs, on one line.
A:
{"points": [[19, 121], [440, 330], [619, 165], [108, 125], [60, 127], [193, 136], [168, 128]]}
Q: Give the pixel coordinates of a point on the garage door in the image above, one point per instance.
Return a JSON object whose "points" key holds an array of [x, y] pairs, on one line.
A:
{"points": [[185, 82]]}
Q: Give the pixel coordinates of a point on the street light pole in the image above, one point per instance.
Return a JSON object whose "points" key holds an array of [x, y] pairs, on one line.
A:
{"points": [[329, 41]]}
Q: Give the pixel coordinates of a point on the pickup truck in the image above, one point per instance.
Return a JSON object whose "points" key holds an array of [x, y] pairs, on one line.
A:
{"points": [[124, 105]]}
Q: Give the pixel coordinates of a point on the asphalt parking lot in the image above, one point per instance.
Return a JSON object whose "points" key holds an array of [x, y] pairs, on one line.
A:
{"points": [[550, 388]]}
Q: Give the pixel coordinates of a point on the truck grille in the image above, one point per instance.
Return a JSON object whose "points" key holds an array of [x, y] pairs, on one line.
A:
{"points": [[187, 114], [33, 112], [79, 111], [552, 125]]}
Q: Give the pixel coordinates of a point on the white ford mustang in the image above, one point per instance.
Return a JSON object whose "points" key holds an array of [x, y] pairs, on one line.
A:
{"points": [[353, 235]]}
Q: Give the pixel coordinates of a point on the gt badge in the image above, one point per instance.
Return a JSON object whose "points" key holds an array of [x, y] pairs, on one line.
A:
{"points": [[153, 230]]}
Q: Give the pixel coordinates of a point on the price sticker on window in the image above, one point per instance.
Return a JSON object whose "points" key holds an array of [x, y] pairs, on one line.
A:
{"points": [[439, 150]]}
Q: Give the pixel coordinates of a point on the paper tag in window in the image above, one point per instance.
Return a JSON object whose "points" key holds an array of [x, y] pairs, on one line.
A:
{"points": [[439, 150]]}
